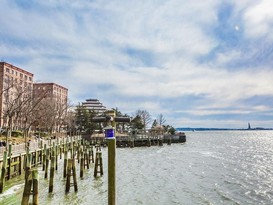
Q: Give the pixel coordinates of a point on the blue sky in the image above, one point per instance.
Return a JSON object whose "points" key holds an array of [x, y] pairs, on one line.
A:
{"points": [[199, 63]]}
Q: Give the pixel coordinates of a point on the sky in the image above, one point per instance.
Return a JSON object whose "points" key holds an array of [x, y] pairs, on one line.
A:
{"points": [[198, 63]]}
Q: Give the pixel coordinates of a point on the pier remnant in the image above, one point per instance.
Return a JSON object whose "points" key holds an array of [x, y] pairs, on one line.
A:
{"points": [[30, 182], [71, 171]]}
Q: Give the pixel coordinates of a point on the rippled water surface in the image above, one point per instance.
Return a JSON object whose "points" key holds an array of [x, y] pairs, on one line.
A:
{"points": [[231, 167]]}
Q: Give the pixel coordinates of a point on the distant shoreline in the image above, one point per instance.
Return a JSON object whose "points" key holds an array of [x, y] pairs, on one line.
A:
{"points": [[219, 129]]}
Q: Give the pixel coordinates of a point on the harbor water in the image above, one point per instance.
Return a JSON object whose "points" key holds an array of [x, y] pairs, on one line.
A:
{"points": [[222, 167]]}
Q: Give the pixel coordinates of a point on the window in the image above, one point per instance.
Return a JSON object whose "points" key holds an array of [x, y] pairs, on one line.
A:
{"points": [[21, 75], [29, 78], [7, 70]]}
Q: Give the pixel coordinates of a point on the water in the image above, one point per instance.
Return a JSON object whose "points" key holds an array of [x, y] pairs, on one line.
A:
{"points": [[231, 167]]}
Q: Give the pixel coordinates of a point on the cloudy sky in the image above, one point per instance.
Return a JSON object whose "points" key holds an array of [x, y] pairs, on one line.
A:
{"points": [[199, 63]]}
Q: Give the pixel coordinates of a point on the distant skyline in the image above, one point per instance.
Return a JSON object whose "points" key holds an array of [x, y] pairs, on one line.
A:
{"points": [[199, 63]]}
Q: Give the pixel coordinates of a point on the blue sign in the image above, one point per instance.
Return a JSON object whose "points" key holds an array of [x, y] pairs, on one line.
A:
{"points": [[110, 133]]}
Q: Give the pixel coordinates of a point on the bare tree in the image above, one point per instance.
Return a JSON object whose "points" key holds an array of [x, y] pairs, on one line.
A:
{"points": [[70, 120], [15, 97], [52, 113], [161, 120], [144, 116]]}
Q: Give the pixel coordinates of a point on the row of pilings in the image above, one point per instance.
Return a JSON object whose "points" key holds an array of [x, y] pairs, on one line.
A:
{"points": [[139, 140], [71, 150]]}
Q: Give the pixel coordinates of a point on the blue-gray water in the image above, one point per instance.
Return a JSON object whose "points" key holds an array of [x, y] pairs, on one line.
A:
{"points": [[231, 167]]}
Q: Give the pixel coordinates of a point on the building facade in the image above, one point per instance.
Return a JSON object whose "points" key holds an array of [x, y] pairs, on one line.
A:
{"points": [[52, 109], [54, 91], [16, 87]]}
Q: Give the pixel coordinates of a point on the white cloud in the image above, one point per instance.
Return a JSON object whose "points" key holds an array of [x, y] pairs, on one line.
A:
{"points": [[258, 19]]}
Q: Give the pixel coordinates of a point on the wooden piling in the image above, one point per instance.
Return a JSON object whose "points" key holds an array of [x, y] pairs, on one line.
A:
{"points": [[160, 142], [3, 173], [9, 161], [71, 171], [35, 186], [27, 188], [132, 143], [92, 153], [86, 158], [52, 168], [98, 164], [21, 164], [81, 161], [74, 176], [31, 181], [47, 163], [65, 163], [169, 142], [44, 157], [111, 171], [56, 158], [28, 158]]}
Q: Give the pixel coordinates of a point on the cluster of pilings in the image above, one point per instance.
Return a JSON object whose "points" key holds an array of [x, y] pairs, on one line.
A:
{"points": [[73, 150]]}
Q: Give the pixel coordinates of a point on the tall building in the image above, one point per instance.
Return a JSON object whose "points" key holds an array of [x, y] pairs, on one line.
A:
{"points": [[94, 105], [52, 109], [54, 91], [16, 87]]}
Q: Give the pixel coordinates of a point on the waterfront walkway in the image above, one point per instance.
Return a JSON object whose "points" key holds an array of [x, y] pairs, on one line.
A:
{"points": [[33, 145]]}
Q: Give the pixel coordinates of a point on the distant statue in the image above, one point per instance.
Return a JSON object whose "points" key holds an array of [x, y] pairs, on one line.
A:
{"points": [[249, 128]]}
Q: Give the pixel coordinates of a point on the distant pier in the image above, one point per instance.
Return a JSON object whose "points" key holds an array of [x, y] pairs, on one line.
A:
{"points": [[138, 140]]}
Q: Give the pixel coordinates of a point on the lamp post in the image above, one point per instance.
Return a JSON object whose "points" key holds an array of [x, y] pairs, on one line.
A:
{"points": [[111, 120]]}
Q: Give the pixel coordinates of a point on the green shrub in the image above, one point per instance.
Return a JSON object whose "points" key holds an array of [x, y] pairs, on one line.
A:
{"points": [[41, 134], [14, 133]]}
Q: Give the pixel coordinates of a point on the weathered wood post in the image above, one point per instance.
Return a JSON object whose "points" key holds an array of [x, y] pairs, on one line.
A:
{"points": [[44, 157], [61, 147], [31, 181], [3, 173], [169, 142], [28, 159], [149, 142], [160, 142], [132, 142], [27, 188], [52, 168], [74, 175], [9, 161], [35, 159], [35, 177], [47, 162], [98, 164], [21, 164], [71, 171], [65, 162], [80, 152], [56, 157], [111, 120], [91, 154], [86, 158]]}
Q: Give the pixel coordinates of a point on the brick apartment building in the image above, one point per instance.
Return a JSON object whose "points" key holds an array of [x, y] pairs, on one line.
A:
{"points": [[56, 100], [13, 81], [17, 89], [54, 91]]}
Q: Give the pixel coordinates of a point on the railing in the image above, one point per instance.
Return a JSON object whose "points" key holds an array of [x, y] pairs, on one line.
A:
{"points": [[34, 145]]}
